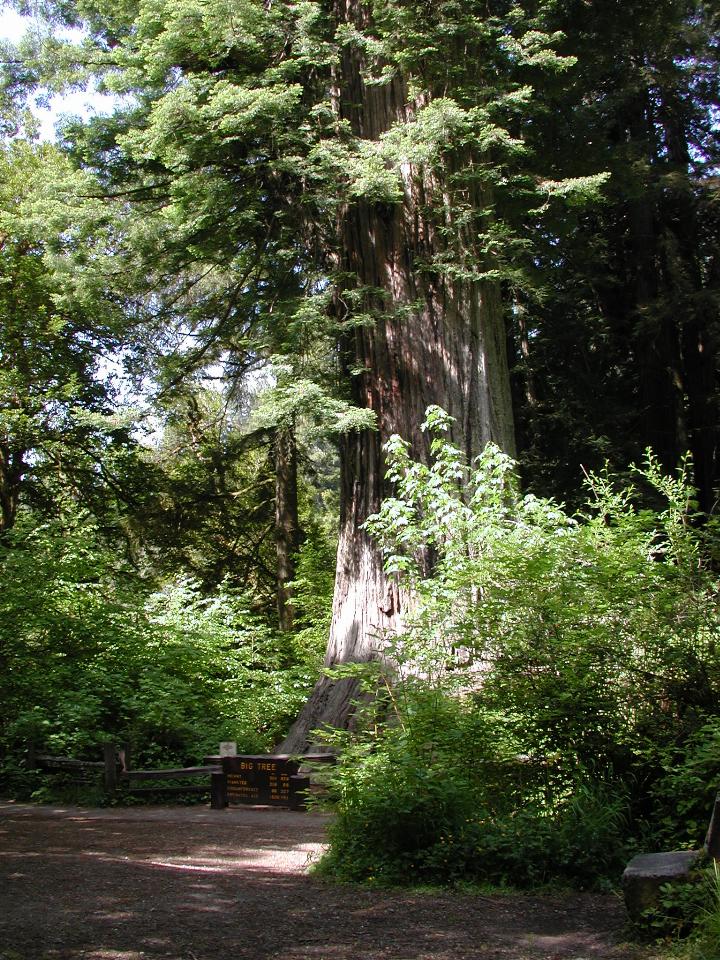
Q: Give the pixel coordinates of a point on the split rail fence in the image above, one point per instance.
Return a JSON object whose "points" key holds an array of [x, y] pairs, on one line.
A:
{"points": [[114, 773]]}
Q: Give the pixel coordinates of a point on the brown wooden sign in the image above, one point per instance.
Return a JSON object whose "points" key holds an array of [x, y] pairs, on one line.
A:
{"points": [[264, 779]]}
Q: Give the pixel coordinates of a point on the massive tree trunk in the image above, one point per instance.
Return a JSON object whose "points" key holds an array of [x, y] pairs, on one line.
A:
{"points": [[434, 340]]}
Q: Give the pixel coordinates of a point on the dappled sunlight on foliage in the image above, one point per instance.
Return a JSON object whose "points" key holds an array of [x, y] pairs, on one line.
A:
{"points": [[552, 701], [92, 654]]}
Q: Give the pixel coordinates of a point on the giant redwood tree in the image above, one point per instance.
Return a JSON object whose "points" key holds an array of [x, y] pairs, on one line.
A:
{"points": [[327, 175], [412, 259]]}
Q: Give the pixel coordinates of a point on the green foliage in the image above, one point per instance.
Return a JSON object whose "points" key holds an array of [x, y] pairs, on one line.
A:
{"points": [[688, 914], [63, 434], [601, 369], [706, 935], [433, 798], [312, 592], [546, 700], [687, 783], [209, 512], [682, 907], [92, 654]]}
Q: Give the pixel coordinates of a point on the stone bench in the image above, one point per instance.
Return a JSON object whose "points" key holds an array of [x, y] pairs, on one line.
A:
{"points": [[648, 872]]}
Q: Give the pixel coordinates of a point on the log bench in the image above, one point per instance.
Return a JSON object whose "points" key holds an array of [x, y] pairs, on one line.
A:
{"points": [[648, 872]]}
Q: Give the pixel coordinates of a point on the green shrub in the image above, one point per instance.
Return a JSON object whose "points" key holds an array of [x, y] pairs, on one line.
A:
{"points": [[706, 933], [432, 800], [399, 797], [688, 780], [556, 684], [92, 654], [686, 918]]}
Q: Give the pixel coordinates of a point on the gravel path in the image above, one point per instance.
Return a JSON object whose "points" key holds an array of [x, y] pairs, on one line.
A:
{"points": [[193, 884]]}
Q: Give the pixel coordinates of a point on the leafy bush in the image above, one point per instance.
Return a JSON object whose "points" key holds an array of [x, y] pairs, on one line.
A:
{"points": [[434, 797], [706, 933], [92, 654], [681, 908], [685, 787], [398, 797], [580, 652]]}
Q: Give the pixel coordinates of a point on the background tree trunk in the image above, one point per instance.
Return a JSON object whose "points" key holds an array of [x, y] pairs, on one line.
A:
{"points": [[12, 466], [286, 521]]}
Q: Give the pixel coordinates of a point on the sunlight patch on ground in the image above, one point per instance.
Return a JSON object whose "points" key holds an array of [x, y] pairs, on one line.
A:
{"points": [[117, 955], [268, 860]]}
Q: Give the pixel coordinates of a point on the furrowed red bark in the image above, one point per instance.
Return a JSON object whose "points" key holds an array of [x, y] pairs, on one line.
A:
{"points": [[434, 340]]}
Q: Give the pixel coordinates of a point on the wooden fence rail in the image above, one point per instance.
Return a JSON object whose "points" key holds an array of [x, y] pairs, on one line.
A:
{"points": [[180, 773], [66, 763], [83, 770], [266, 779], [129, 778], [115, 772]]}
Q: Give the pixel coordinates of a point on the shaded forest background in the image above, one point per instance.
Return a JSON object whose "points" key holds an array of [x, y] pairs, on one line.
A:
{"points": [[190, 372]]}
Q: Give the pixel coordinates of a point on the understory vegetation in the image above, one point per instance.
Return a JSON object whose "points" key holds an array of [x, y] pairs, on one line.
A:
{"points": [[549, 710], [226, 299], [93, 653], [551, 707]]}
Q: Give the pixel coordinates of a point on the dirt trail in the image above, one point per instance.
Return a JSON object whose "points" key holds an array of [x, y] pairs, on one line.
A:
{"points": [[194, 884]]}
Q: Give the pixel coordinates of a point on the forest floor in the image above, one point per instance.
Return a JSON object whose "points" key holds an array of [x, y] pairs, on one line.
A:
{"points": [[188, 883]]}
